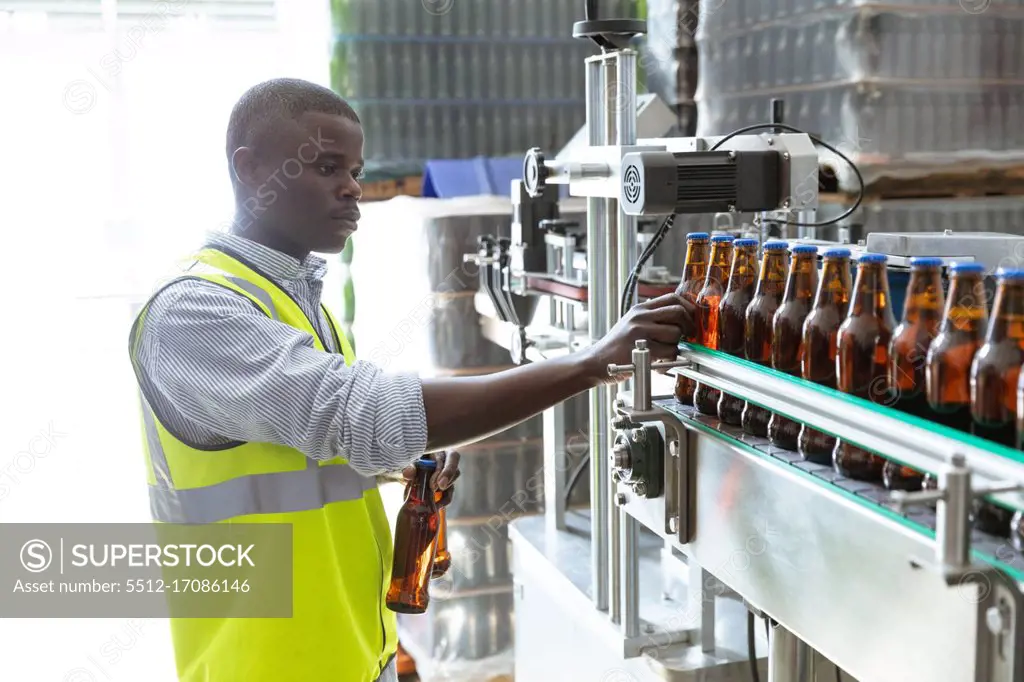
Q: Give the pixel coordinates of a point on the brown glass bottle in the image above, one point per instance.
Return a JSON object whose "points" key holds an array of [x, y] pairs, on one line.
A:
{"points": [[759, 331], [995, 373], [442, 557], [961, 333], [415, 540], [863, 357], [788, 346], [695, 269], [908, 351], [705, 398], [1020, 411], [995, 369], [732, 317], [821, 328]]}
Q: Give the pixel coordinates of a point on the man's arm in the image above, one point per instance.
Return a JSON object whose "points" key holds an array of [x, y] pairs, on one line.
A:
{"points": [[469, 408]]}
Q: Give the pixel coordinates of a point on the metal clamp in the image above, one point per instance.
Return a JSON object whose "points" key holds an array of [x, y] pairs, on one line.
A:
{"points": [[641, 368], [954, 501]]}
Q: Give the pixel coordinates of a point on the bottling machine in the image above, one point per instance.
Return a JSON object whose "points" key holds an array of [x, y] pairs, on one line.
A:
{"points": [[708, 554]]}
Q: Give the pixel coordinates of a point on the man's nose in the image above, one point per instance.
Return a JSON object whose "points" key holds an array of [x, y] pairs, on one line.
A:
{"points": [[351, 189]]}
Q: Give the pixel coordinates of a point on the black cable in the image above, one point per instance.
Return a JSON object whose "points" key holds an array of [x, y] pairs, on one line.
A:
{"points": [[574, 478], [851, 164], [751, 648], [590, 10], [634, 277]]}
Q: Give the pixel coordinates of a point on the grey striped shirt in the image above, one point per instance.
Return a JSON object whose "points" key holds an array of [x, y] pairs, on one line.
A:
{"points": [[216, 370]]}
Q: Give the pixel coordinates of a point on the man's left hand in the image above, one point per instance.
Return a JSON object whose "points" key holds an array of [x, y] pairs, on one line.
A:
{"points": [[444, 477]]}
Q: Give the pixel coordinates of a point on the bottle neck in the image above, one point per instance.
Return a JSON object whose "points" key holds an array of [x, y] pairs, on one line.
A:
{"points": [[744, 269], [924, 300], [965, 309], [871, 291], [1007, 313], [419, 491], [803, 278], [835, 284], [772, 281], [696, 265], [721, 257]]}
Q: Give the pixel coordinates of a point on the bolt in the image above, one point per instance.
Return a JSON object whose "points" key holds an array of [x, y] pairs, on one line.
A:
{"points": [[638, 435], [673, 524], [648, 628], [673, 448], [640, 488], [641, 344], [732, 156], [620, 499], [771, 141], [997, 617], [620, 457], [785, 155], [958, 460]]}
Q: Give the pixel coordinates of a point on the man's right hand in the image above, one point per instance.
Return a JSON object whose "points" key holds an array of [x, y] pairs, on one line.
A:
{"points": [[660, 321]]}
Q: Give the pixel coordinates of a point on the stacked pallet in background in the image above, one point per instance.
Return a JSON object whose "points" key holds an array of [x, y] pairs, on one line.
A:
{"points": [[446, 79], [926, 97], [668, 58], [415, 297]]}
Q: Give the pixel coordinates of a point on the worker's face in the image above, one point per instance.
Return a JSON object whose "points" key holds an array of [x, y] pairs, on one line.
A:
{"points": [[304, 184]]}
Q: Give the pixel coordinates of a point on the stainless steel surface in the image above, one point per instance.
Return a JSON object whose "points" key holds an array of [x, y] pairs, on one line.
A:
{"points": [[789, 546], [921, 447], [630, 558], [597, 324], [993, 250], [953, 531], [560, 636], [783, 654]]}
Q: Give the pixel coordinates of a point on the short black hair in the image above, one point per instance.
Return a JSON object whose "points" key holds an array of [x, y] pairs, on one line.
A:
{"points": [[269, 102]]}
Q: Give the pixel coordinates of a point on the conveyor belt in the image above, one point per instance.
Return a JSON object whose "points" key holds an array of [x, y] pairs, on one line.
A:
{"points": [[991, 549]]}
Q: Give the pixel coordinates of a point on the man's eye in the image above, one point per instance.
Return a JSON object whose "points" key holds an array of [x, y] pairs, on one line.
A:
{"points": [[328, 168], [358, 174]]}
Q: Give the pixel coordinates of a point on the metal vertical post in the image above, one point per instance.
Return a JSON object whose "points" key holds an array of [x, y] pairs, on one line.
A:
{"points": [[783, 655], [554, 468], [624, 107], [596, 304]]}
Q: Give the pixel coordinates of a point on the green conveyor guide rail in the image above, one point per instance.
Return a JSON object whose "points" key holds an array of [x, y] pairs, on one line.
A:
{"points": [[997, 551]]}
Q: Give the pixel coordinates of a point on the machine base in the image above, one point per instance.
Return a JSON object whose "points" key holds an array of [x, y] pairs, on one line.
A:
{"points": [[559, 635]]}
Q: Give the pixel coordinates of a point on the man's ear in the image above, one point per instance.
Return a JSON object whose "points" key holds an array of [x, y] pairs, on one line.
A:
{"points": [[245, 167]]}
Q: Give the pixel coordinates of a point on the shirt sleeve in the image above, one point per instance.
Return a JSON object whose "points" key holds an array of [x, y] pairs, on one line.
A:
{"points": [[209, 358]]}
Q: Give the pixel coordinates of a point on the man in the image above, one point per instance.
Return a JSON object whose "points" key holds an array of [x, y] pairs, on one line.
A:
{"points": [[255, 409]]}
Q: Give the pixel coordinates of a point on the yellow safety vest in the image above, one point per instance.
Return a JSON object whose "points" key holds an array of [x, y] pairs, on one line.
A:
{"points": [[340, 629]]}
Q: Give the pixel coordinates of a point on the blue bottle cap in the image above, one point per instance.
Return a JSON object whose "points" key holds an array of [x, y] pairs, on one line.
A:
{"points": [[967, 268], [719, 238], [425, 463], [745, 242], [805, 248], [776, 246], [696, 235], [837, 253], [874, 258], [1010, 273], [926, 262]]}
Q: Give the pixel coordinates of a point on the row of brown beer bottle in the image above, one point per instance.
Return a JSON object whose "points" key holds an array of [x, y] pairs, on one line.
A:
{"points": [[944, 361]]}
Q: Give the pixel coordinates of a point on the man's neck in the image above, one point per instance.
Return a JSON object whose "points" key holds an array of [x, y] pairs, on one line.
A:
{"points": [[271, 238]]}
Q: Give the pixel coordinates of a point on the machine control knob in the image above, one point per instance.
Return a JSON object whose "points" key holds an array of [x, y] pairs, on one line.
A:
{"points": [[535, 173], [621, 458]]}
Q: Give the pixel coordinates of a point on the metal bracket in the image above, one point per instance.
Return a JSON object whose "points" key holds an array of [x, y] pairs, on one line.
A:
{"points": [[679, 462]]}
